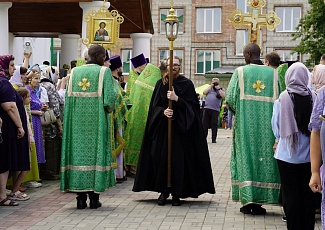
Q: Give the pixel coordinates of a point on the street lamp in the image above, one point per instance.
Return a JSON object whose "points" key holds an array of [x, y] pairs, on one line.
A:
{"points": [[171, 26]]}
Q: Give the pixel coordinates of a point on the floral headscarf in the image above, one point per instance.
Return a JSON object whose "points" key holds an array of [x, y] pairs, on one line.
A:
{"points": [[4, 64]]}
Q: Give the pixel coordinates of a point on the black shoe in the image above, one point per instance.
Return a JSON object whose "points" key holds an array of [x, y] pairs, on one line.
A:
{"points": [[214, 141], [128, 173], [162, 199], [119, 180], [284, 219], [258, 210], [95, 204], [176, 201], [246, 209], [50, 177], [81, 204]]}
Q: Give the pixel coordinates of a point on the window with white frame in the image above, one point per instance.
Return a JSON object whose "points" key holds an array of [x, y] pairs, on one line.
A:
{"points": [[207, 60], [241, 41], [180, 15], [289, 16], [208, 20], [164, 54], [287, 55], [242, 5], [126, 55]]}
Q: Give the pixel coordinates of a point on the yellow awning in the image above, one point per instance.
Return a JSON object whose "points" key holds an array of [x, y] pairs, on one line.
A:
{"points": [[201, 88]]}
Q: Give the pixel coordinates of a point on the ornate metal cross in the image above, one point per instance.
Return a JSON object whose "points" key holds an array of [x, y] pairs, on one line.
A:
{"points": [[172, 3], [254, 20]]}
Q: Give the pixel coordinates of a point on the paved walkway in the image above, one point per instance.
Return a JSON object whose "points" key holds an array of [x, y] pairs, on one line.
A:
{"points": [[48, 208]]}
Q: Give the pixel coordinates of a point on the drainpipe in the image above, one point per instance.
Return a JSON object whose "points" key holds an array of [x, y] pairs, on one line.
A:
{"points": [[52, 51]]}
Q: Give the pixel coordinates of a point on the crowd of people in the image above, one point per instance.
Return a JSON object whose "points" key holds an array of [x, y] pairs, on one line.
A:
{"points": [[277, 108], [32, 92], [92, 130]]}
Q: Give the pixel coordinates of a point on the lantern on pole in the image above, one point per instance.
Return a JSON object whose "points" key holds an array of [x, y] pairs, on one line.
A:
{"points": [[171, 26]]}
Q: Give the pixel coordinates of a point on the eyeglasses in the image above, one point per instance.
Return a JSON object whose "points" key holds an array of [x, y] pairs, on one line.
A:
{"points": [[175, 65]]}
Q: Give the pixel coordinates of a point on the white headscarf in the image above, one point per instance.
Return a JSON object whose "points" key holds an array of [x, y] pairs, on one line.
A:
{"points": [[16, 78]]}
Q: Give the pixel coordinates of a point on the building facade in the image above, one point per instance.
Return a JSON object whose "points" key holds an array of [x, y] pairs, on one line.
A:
{"points": [[207, 40]]}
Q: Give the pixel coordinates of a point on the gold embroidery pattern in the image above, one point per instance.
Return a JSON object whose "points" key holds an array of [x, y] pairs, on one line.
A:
{"points": [[86, 168], [142, 84], [146, 73], [244, 96], [84, 84], [255, 184], [258, 86]]}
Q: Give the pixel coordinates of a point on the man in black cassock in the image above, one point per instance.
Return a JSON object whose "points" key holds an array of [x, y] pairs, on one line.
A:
{"points": [[191, 173]]}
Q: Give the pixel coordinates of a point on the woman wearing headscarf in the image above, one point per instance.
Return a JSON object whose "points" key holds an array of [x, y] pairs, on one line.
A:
{"points": [[52, 132], [36, 112], [14, 151], [318, 77], [40, 91], [291, 115], [20, 79]]}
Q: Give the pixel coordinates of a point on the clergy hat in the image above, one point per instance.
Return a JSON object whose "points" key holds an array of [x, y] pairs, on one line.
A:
{"points": [[138, 60], [107, 56], [115, 62]]}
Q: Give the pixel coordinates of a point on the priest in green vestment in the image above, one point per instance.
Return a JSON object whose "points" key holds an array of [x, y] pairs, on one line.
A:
{"points": [[139, 63], [86, 162], [282, 69], [251, 92], [136, 117]]}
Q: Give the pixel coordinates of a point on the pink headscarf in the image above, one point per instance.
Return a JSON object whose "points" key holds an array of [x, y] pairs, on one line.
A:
{"points": [[319, 76], [4, 64]]}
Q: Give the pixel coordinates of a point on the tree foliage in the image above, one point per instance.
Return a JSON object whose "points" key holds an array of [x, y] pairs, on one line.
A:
{"points": [[311, 32]]}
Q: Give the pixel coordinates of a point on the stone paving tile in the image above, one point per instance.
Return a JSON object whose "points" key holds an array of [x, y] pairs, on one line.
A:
{"points": [[49, 209]]}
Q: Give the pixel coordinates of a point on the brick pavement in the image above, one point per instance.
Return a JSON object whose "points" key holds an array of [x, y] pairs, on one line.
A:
{"points": [[48, 208]]}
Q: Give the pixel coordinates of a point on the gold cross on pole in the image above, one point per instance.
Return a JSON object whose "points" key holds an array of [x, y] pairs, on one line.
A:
{"points": [[171, 3], [255, 19]]}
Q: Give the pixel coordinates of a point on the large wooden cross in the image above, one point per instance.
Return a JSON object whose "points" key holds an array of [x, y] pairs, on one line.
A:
{"points": [[255, 19]]}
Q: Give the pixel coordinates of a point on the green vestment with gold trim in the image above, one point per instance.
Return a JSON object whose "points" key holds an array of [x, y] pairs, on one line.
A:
{"points": [[117, 142], [282, 69], [251, 93], [133, 76], [86, 162], [136, 117]]}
